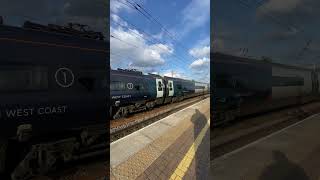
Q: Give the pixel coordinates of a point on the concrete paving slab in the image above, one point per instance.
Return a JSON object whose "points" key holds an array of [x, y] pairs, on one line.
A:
{"points": [[281, 155]]}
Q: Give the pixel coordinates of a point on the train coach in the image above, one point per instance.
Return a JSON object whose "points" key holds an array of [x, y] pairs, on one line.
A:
{"points": [[51, 83], [244, 86], [132, 91]]}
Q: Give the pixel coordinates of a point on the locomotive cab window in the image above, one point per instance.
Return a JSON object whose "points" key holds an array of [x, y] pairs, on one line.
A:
{"points": [[170, 86], [159, 86], [138, 87]]}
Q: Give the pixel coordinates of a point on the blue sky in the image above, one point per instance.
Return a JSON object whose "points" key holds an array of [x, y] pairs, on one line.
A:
{"points": [[180, 49], [278, 29]]}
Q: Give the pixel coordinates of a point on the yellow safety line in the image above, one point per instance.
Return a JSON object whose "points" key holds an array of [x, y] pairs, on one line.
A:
{"points": [[187, 159]]}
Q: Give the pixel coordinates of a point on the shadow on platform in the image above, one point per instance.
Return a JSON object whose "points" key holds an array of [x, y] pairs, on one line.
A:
{"points": [[202, 158], [283, 169]]}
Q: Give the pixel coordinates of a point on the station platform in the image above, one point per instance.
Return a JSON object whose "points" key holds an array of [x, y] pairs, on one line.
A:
{"points": [[175, 147], [292, 153]]}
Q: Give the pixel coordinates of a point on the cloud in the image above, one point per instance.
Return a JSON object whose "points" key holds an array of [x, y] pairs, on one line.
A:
{"points": [[200, 64], [116, 6], [135, 51], [200, 68], [195, 15], [118, 20], [203, 42], [200, 52], [173, 73]]}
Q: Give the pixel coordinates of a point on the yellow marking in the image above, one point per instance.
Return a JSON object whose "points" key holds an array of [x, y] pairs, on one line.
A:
{"points": [[187, 159], [173, 176]]}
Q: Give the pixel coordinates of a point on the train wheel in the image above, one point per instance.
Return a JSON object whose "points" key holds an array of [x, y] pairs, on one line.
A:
{"points": [[150, 105], [122, 112]]}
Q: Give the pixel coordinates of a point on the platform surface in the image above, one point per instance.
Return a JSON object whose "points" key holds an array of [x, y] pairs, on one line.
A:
{"points": [[176, 147], [289, 154]]}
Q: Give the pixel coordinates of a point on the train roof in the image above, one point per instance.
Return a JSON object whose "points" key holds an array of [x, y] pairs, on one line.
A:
{"points": [[129, 72], [178, 79], [31, 46], [71, 29], [184, 79], [133, 72], [221, 57]]}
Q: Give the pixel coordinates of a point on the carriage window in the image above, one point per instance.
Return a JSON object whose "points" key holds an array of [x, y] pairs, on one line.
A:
{"points": [[117, 86], [200, 87], [159, 86], [179, 86], [12, 79], [287, 81]]}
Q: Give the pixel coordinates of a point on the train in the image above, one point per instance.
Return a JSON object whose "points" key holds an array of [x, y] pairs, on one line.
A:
{"points": [[52, 81], [132, 91], [245, 86]]}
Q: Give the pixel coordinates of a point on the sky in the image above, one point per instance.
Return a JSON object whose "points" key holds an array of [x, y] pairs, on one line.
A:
{"points": [[61, 12], [286, 31], [173, 41]]}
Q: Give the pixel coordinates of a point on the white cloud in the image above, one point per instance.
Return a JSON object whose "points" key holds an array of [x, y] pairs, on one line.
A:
{"points": [[200, 68], [195, 15], [174, 73], [118, 20], [116, 6], [203, 42], [200, 52], [135, 50], [200, 64]]}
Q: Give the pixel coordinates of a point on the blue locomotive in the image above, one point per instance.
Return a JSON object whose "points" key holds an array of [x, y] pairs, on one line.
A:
{"points": [[51, 88], [132, 91]]}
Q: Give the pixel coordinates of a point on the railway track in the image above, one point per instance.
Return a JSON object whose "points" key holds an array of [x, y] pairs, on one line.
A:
{"points": [[233, 136], [123, 127]]}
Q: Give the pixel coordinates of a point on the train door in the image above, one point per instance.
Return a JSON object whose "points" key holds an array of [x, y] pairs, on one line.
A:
{"points": [[160, 88], [170, 88]]}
